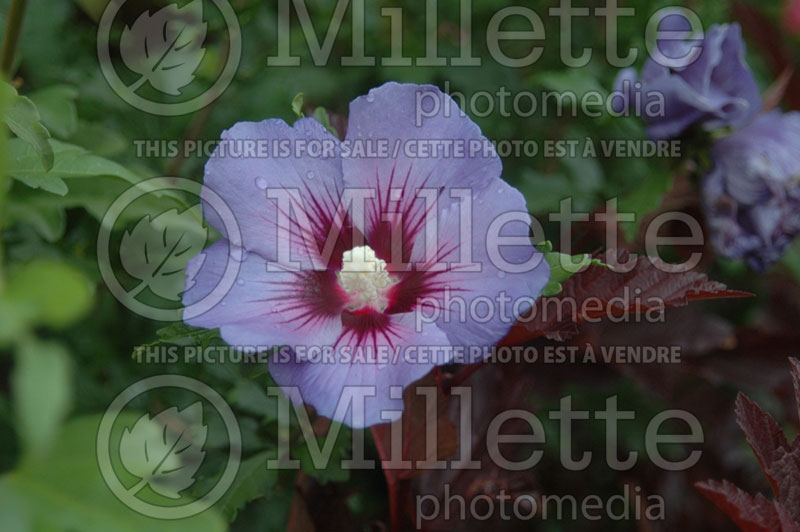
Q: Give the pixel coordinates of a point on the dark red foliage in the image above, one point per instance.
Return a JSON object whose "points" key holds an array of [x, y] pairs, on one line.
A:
{"points": [[780, 461], [597, 292], [618, 293], [751, 514]]}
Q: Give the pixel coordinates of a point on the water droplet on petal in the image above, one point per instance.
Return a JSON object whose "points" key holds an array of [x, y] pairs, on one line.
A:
{"points": [[240, 282], [310, 174], [261, 183], [501, 274], [238, 254], [370, 97], [500, 190]]}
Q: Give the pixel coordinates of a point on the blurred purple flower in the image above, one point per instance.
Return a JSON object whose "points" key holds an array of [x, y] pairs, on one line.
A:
{"points": [[752, 196], [357, 297], [715, 90]]}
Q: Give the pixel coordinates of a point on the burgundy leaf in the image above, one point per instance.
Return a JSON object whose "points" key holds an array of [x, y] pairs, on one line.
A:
{"points": [[796, 382], [598, 292], [763, 434], [420, 413], [751, 514], [779, 460], [788, 524]]}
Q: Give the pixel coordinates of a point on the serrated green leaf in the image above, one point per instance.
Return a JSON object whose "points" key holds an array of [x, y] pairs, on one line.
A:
{"points": [[56, 106], [254, 480], [22, 118], [95, 194], [70, 162]]}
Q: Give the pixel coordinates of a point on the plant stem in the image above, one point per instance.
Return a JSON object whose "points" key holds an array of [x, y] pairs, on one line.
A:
{"points": [[16, 12]]}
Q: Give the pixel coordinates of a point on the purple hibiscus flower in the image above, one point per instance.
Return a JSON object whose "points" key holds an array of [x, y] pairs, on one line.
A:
{"points": [[715, 89], [412, 270], [752, 196]]}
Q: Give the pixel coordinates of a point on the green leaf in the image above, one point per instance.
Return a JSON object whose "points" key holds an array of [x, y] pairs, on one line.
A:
{"points": [[93, 183], [586, 172], [254, 480], [48, 220], [65, 491], [42, 386], [100, 139], [180, 333], [23, 119], [297, 105], [95, 194], [543, 192], [643, 199], [56, 106], [577, 81], [251, 398], [50, 292], [563, 266], [321, 115], [70, 162], [332, 470]]}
